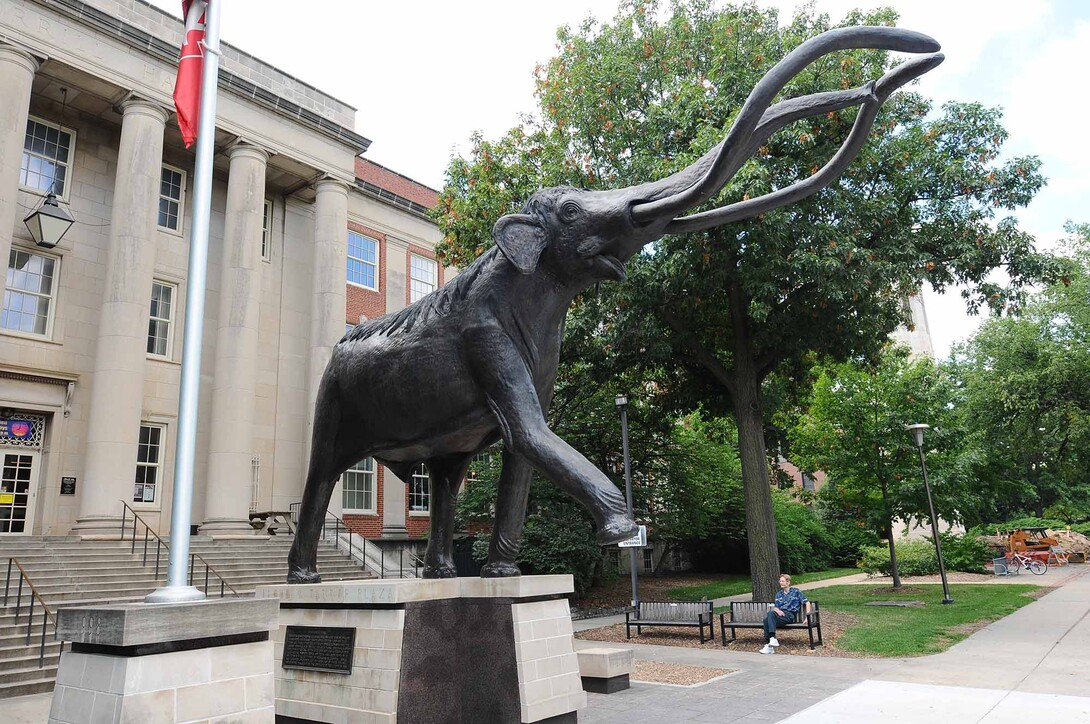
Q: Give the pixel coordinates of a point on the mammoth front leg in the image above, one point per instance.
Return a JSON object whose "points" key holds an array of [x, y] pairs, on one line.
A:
{"points": [[512, 494], [445, 476], [505, 379]]}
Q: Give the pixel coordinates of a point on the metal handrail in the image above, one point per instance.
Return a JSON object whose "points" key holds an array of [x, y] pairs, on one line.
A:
{"points": [[47, 615], [339, 525], [160, 544]]}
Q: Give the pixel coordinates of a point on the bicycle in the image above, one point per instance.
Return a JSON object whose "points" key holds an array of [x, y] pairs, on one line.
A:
{"points": [[1019, 561]]}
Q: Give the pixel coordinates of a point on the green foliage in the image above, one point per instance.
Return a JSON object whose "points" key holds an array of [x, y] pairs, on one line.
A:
{"points": [[966, 553], [914, 558], [912, 631], [1015, 523], [803, 542], [1083, 528], [846, 542]]}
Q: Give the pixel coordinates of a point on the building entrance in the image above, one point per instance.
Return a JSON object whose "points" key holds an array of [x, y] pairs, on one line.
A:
{"points": [[18, 482]]}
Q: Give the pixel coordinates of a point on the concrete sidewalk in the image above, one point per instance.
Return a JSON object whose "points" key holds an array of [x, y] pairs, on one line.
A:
{"points": [[1030, 666]]}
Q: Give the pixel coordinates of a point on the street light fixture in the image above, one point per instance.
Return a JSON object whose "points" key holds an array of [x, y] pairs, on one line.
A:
{"points": [[622, 404], [917, 431], [48, 223]]}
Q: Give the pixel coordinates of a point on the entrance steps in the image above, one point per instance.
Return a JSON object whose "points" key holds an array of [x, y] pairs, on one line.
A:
{"points": [[69, 572]]}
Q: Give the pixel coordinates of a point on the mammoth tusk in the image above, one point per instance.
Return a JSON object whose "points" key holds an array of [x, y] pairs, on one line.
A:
{"points": [[876, 94], [738, 137]]}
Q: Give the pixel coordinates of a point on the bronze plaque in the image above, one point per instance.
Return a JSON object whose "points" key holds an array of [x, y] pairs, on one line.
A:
{"points": [[319, 648]]}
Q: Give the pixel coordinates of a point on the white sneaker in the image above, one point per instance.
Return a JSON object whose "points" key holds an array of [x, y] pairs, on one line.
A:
{"points": [[773, 642], [768, 649]]}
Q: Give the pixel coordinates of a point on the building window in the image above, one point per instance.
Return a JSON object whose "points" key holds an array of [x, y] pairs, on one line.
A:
{"points": [[807, 482], [266, 231], [358, 487], [648, 560], [171, 191], [161, 319], [362, 261], [149, 458], [424, 277], [46, 153], [28, 296], [419, 490]]}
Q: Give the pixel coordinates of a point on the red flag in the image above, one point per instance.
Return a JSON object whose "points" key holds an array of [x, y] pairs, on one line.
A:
{"points": [[187, 88]]}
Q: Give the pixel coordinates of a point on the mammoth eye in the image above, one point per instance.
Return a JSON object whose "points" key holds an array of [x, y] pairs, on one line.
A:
{"points": [[569, 210]]}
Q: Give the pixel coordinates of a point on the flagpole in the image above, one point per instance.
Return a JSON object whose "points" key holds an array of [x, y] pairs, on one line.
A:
{"points": [[177, 588]]}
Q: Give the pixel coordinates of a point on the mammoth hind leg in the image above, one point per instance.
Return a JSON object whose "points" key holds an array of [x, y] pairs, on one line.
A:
{"points": [[513, 492], [445, 476]]}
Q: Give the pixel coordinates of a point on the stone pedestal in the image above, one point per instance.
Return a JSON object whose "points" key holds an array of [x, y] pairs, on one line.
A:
{"points": [[440, 651], [209, 661]]}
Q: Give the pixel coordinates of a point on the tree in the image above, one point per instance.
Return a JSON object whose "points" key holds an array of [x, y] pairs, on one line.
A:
{"points": [[713, 314], [854, 430], [1027, 392]]}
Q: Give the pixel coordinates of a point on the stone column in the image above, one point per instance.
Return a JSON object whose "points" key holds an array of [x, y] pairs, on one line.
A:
{"points": [[397, 274], [117, 384], [227, 491], [17, 68], [393, 487], [328, 297]]}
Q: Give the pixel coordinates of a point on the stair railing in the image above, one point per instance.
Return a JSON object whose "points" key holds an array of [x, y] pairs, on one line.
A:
{"points": [[161, 545], [332, 523], [47, 615]]}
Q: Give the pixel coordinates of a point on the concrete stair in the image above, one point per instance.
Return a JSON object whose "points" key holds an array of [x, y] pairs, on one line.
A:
{"points": [[69, 572]]}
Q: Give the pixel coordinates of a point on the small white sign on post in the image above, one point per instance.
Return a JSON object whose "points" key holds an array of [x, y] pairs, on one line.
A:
{"points": [[637, 541]]}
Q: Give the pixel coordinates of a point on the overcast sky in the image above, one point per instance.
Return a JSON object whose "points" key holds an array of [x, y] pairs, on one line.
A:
{"points": [[425, 75]]}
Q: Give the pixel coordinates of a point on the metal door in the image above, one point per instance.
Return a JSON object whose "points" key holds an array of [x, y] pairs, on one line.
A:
{"points": [[18, 484]]}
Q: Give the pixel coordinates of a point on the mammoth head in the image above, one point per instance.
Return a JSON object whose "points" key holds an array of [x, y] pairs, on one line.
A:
{"points": [[598, 231]]}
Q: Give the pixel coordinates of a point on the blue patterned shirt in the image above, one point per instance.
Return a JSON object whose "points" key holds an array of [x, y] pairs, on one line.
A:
{"points": [[790, 602]]}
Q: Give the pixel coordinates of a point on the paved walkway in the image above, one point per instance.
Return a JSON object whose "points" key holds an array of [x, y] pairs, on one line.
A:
{"points": [[1033, 665]]}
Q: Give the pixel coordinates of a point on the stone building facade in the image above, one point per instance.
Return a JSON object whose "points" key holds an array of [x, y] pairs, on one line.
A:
{"points": [[306, 239]]}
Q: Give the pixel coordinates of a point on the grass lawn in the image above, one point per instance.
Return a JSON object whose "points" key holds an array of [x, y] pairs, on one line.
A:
{"points": [[895, 631], [735, 584]]}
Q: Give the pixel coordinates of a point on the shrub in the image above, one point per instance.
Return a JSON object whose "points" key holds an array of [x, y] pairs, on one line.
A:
{"points": [[1024, 522], [846, 542], [914, 558], [966, 553], [803, 542], [1083, 528]]}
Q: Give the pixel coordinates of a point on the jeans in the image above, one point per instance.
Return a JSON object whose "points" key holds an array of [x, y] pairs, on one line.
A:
{"points": [[773, 619]]}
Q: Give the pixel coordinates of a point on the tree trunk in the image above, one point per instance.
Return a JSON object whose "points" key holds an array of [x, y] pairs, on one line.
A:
{"points": [[764, 564], [889, 536]]}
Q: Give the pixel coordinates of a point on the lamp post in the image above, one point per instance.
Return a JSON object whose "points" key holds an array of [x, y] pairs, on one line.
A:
{"points": [[622, 403], [48, 223], [917, 431]]}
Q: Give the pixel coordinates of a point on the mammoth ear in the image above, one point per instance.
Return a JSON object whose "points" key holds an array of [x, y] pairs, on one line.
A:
{"points": [[521, 238]]}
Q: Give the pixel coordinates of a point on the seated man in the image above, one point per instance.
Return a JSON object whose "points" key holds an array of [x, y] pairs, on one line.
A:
{"points": [[789, 601]]}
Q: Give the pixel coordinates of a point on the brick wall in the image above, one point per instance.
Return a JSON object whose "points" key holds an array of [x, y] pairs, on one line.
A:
{"points": [[417, 525], [369, 303]]}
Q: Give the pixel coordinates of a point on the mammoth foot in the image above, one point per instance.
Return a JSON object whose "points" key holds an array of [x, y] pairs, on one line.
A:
{"points": [[500, 569], [304, 575], [616, 529], [441, 570]]}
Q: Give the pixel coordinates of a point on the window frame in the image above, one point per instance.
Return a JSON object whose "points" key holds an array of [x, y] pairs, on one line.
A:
{"points": [[180, 200], [375, 264], [71, 132], [413, 279], [159, 465], [51, 316], [169, 354], [363, 473], [266, 230], [424, 479]]}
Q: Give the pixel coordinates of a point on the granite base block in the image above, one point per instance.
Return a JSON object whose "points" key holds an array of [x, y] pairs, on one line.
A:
{"points": [[606, 686], [134, 664], [445, 651]]}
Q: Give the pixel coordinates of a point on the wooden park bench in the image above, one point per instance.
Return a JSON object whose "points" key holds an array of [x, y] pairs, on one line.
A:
{"points": [[670, 613], [751, 614]]}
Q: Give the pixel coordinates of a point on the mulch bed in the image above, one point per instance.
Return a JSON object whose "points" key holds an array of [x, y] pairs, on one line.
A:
{"points": [[792, 642], [659, 672], [618, 592]]}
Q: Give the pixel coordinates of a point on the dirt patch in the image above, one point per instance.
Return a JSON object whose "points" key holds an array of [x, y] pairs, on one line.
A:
{"points": [[618, 592], [792, 642], [658, 672]]}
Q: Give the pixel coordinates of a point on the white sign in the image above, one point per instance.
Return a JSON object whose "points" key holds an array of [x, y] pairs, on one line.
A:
{"points": [[637, 541]]}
